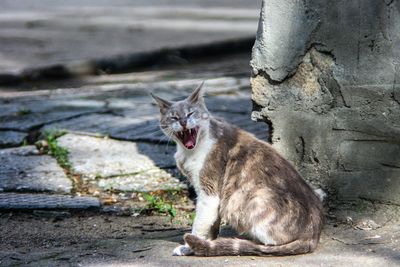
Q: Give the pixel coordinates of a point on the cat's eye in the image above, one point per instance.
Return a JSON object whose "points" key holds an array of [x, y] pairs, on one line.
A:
{"points": [[189, 114], [174, 118]]}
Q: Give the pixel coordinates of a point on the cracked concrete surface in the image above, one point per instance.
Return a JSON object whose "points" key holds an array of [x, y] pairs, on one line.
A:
{"points": [[331, 101], [23, 169]]}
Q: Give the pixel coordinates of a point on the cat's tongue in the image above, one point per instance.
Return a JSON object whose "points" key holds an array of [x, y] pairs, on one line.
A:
{"points": [[189, 139]]}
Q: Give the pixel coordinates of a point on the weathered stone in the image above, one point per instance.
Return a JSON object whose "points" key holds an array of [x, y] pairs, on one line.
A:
{"points": [[148, 131], [331, 102], [11, 138], [23, 169], [280, 43], [360, 119], [42, 201], [101, 157], [356, 155], [374, 185], [136, 127], [26, 114], [368, 96]]}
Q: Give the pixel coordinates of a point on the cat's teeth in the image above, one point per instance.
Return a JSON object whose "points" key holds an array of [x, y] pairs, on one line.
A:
{"points": [[190, 131]]}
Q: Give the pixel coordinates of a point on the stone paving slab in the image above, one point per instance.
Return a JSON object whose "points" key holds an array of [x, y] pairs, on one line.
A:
{"points": [[42, 201], [23, 169], [26, 114], [134, 129], [101, 157], [120, 165], [11, 138]]}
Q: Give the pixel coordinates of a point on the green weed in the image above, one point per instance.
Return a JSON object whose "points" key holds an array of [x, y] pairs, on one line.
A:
{"points": [[53, 149], [159, 205], [192, 215], [24, 111]]}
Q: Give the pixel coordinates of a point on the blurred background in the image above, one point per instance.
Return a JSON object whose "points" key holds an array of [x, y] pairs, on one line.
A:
{"points": [[39, 33]]}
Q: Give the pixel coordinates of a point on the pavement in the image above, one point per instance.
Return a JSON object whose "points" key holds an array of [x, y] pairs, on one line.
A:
{"points": [[109, 131], [86, 176]]}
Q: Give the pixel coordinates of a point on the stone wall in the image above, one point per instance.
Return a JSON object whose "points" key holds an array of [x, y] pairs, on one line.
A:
{"points": [[326, 79]]}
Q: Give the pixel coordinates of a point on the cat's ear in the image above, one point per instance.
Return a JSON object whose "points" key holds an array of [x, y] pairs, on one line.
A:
{"points": [[162, 103], [197, 95]]}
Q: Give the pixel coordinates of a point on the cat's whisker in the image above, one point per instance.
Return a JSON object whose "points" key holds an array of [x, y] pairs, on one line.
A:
{"points": [[169, 139], [162, 140], [152, 133], [168, 135]]}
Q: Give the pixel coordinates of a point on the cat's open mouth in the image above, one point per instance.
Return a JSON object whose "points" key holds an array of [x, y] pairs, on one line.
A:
{"points": [[188, 137]]}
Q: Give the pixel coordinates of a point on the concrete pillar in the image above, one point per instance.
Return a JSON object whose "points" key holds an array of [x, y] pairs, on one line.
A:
{"points": [[326, 78]]}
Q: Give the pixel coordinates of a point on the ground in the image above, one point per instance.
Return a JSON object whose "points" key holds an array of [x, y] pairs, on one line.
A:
{"points": [[86, 176], [93, 239]]}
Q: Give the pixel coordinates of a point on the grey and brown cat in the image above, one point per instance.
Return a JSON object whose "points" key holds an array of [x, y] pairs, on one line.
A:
{"points": [[241, 180]]}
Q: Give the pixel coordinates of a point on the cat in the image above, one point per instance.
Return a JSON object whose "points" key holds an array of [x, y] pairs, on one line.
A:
{"points": [[241, 180]]}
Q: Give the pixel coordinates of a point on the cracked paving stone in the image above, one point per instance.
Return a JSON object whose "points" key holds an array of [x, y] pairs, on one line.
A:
{"points": [[23, 169], [11, 138], [143, 127], [26, 114], [98, 158], [42, 201]]}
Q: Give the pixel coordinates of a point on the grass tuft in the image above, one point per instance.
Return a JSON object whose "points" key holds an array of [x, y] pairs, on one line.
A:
{"points": [[53, 149], [159, 205], [23, 111]]}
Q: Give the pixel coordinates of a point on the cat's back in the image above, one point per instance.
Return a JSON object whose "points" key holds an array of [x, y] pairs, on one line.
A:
{"points": [[238, 143], [249, 159]]}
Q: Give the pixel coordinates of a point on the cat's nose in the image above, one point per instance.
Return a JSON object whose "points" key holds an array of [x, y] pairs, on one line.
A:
{"points": [[183, 123]]}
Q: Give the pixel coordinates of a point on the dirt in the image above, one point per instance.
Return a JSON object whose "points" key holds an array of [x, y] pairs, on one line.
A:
{"points": [[47, 238]]}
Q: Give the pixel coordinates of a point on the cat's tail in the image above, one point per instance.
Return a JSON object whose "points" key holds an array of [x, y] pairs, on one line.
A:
{"points": [[234, 247]]}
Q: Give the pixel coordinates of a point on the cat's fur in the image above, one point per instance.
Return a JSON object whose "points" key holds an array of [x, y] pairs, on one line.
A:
{"points": [[241, 180]]}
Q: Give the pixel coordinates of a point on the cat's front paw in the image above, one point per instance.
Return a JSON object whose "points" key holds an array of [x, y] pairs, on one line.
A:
{"points": [[183, 250]]}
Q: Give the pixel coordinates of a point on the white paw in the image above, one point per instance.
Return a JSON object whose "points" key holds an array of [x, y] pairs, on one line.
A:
{"points": [[320, 193], [182, 251]]}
